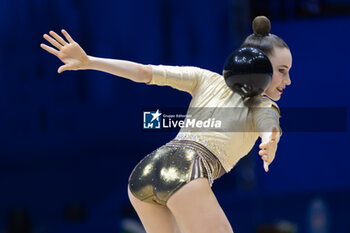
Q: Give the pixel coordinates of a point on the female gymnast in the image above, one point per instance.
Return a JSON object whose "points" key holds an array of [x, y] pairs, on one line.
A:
{"points": [[170, 188]]}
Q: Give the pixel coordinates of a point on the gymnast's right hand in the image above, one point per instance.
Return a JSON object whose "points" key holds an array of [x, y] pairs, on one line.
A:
{"points": [[70, 53], [268, 147]]}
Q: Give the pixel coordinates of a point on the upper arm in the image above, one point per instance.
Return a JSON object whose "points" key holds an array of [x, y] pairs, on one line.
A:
{"points": [[184, 78]]}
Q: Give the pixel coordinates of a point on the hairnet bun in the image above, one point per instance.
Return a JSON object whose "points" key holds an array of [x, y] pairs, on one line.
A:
{"points": [[261, 26]]}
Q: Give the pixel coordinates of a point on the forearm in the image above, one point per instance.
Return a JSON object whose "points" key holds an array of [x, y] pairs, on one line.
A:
{"points": [[266, 121], [126, 69], [266, 118]]}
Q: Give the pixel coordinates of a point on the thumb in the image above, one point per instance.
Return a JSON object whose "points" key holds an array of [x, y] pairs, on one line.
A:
{"points": [[266, 166], [274, 134], [63, 68]]}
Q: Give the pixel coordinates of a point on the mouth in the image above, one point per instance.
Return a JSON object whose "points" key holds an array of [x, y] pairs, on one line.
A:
{"points": [[280, 90]]}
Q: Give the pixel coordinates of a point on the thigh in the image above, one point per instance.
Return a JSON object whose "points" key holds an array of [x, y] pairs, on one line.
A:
{"points": [[197, 210], [155, 218]]}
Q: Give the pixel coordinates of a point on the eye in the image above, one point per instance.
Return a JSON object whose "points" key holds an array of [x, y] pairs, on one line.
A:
{"points": [[282, 71]]}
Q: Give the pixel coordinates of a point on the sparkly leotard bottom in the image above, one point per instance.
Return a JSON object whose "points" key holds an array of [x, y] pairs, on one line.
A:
{"points": [[164, 171]]}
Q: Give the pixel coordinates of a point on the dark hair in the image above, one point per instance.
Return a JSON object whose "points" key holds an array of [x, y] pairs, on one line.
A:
{"points": [[261, 38]]}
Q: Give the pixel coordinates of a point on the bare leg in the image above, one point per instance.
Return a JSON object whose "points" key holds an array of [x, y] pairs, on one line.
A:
{"points": [[197, 210], [155, 218]]}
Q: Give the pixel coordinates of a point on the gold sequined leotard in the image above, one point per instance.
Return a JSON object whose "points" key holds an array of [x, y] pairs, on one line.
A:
{"points": [[161, 173]]}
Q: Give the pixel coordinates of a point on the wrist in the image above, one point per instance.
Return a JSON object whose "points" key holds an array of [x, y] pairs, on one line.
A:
{"points": [[89, 62], [273, 133]]}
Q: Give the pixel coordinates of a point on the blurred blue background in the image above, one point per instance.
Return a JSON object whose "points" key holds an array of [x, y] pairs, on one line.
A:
{"points": [[69, 141]]}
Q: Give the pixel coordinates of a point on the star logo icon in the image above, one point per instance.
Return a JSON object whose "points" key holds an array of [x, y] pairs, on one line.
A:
{"points": [[152, 119], [156, 115]]}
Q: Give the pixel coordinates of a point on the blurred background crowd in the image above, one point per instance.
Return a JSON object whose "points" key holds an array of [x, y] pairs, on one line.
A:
{"points": [[69, 141]]}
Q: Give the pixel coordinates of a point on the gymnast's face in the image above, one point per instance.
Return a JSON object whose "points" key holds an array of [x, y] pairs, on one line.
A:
{"points": [[281, 60]]}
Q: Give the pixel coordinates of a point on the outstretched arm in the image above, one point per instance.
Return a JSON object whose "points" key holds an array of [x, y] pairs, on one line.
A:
{"points": [[75, 58]]}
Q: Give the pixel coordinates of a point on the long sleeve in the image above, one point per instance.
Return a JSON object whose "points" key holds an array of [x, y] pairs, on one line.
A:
{"points": [[266, 117], [184, 78]]}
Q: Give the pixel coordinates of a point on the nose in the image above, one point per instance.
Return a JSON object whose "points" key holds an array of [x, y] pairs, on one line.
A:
{"points": [[287, 80]]}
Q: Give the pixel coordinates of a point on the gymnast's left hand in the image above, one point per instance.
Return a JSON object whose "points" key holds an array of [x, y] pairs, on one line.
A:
{"points": [[268, 147], [68, 51]]}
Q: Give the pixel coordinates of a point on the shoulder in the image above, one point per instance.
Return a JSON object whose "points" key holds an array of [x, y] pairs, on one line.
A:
{"points": [[176, 67], [208, 80], [261, 101], [190, 69]]}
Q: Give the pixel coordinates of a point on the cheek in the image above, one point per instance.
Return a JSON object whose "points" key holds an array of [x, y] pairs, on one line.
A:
{"points": [[276, 80]]}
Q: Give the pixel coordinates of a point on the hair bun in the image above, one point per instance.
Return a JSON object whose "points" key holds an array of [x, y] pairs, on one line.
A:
{"points": [[261, 26]]}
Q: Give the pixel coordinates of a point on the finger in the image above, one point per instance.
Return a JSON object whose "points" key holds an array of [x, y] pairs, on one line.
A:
{"points": [[49, 49], [264, 158], [63, 68], [68, 37], [266, 166], [52, 41], [58, 38], [263, 145], [261, 152]]}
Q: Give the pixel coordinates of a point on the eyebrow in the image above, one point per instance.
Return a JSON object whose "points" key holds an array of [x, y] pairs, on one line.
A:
{"points": [[284, 66]]}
